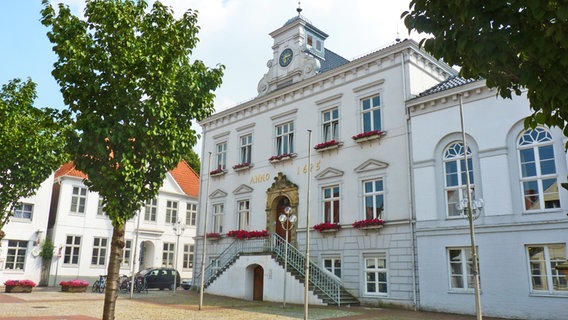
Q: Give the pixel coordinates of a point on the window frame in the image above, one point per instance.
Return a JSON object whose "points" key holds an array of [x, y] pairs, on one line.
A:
{"points": [[374, 193], [99, 252], [221, 155], [537, 146], [218, 217], [549, 265], [377, 271], [460, 189], [243, 214], [371, 111], [466, 275], [333, 268], [126, 253], [172, 207], [188, 255], [78, 200], [20, 212], [191, 214], [72, 251], [332, 123], [151, 210], [16, 255], [335, 217], [245, 148], [286, 135], [168, 254]]}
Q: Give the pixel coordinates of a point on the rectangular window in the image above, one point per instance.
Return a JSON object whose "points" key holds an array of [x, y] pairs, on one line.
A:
{"points": [[126, 253], [100, 211], [98, 258], [221, 155], [331, 204], [285, 138], [150, 210], [374, 197], [244, 214], [72, 248], [333, 265], [330, 125], [24, 211], [188, 250], [371, 113], [191, 214], [246, 149], [543, 260], [376, 275], [460, 262], [455, 177], [171, 211], [16, 256], [78, 200], [168, 254], [218, 217]]}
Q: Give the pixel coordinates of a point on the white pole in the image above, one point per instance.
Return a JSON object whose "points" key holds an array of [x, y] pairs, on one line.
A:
{"points": [[470, 219], [306, 281], [202, 285], [285, 259], [134, 255]]}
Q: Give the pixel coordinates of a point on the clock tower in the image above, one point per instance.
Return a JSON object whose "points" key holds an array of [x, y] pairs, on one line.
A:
{"points": [[298, 54]]}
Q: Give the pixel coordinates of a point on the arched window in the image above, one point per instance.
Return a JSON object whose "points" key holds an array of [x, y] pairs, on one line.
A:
{"points": [[455, 176], [539, 178]]}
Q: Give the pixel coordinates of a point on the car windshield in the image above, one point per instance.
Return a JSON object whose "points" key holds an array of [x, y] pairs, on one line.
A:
{"points": [[144, 272]]}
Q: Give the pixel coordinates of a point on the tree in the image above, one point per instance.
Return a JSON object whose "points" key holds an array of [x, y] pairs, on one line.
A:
{"points": [[512, 44], [125, 73], [31, 148], [193, 160]]}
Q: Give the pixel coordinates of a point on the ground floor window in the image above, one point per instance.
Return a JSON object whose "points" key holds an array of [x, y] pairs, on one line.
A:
{"points": [[543, 260], [333, 265], [168, 254], [126, 253], [461, 268], [376, 275], [188, 250], [72, 248], [16, 258], [98, 258]]}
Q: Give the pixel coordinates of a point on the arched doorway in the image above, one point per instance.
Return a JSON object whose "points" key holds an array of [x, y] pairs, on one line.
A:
{"points": [[258, 283], [282, 193], [146, 255]]}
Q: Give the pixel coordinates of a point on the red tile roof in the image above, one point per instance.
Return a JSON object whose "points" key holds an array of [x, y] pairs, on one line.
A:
{"points": [[183, 174]]}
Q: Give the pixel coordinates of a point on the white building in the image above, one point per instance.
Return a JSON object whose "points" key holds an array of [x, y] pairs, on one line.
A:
{"points": [[81, 232], [521, 232], [261, 164], [25, 232]]}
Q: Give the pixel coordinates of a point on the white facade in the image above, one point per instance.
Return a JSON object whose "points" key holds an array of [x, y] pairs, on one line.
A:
{"points": [[25, 232], [352, 178], [520, 232]]}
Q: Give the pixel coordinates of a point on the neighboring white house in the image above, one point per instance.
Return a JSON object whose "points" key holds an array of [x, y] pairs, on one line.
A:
{"points": [[25, 232], [81, 232], [359, 170], [521, 232]]}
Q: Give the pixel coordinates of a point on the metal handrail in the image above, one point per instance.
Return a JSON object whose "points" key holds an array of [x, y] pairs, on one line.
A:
{"points": [[319, 278]]}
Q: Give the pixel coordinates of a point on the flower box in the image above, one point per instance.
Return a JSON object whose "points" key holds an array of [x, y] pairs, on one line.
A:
{"points": [[217, 172], [367, 136], [74, 286], [244, 234], [19, 286], [282, 157], [327, 227], [369, 224], [329, 145], [213, 236], [242, 166]]}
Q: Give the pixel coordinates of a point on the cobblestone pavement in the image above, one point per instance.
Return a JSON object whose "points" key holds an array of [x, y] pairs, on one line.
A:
{"points": [[51, 304]]}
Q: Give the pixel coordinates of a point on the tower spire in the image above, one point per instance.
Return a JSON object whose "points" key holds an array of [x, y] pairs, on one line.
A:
{"points": [[299, 9]]}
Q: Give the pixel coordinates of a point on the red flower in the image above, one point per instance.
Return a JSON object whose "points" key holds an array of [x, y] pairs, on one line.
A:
{"points": [[74, 283], [216, 171], [368, 223], [280, 157], [368, 134], [326, 144], [21, 283], [241, 165], [213, 235], [244, 234], [326, 226]]}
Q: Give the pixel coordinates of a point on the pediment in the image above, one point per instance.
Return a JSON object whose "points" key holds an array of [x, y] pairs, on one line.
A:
{"points": [[218, 194], [329, 173], [371, 165], [281, 182], [242, 189]]}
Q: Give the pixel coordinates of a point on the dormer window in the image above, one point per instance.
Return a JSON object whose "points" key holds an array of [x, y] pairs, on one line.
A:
{"points": [[314, 44]]}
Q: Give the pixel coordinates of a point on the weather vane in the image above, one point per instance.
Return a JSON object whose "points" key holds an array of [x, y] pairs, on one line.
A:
{"points": [[299, 8]]}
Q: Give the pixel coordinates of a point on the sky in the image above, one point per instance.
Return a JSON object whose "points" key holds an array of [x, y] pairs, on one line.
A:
{"points": [[234, 33]]}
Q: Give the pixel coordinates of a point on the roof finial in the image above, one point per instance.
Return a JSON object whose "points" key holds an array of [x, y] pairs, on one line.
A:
{"points": [[299, 9]]}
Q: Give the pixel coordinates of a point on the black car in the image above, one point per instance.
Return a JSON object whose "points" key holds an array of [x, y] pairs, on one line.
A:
{"points": [[160, 278]]}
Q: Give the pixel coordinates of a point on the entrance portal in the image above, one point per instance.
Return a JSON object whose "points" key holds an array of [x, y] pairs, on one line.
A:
{"points": [[281, 194]]}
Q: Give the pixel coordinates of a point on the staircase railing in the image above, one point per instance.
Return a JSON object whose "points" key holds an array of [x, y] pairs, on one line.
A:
{"points": [[275, 244]]}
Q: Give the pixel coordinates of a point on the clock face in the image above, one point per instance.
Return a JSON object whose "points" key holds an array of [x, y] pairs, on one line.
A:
{"points": [[286, 57]]}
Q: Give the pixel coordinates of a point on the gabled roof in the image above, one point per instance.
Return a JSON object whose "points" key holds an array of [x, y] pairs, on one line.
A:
{"points": [[450, 83], [332, 60], [183, 174]]}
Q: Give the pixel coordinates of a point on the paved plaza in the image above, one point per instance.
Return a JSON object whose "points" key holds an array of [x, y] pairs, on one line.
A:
{"points": [[51, 304]]}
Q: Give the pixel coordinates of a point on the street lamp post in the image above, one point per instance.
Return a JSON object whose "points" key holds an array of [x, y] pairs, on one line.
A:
{"points": [[179, 228], [288, 221]]}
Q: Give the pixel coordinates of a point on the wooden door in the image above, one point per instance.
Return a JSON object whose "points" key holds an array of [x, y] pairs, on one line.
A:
{"points": [[258, 285]]}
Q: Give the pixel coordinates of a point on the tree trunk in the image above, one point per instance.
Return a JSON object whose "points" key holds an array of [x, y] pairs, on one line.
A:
{"points": [[111, 293]]}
